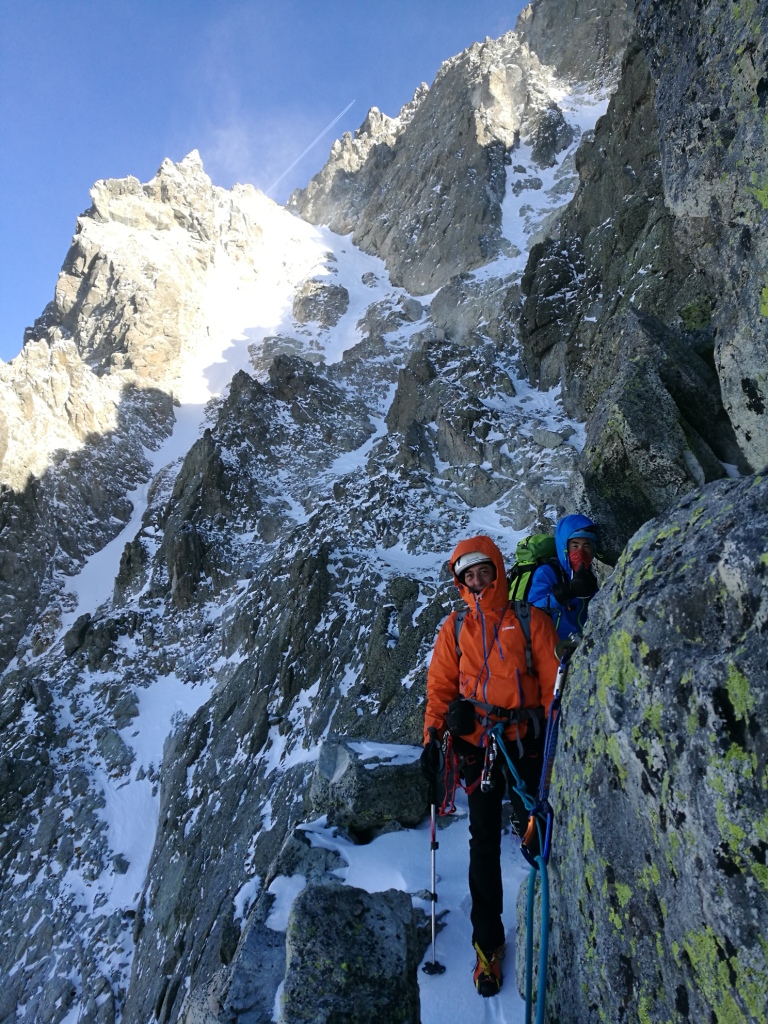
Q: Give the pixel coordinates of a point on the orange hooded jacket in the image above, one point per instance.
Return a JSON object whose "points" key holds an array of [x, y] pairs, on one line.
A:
{"points": [[492, 667]]}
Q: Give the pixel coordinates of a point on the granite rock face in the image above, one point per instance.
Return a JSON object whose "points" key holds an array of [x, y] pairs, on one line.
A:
{"points": [[711, 100], [582, 39], [617, 280], [660, 884]]}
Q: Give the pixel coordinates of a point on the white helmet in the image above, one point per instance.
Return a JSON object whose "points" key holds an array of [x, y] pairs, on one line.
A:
{"points": [[466, 561]]}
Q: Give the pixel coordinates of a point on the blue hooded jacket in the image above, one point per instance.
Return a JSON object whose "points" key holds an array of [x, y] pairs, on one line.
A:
{"points": [[568, 618]]}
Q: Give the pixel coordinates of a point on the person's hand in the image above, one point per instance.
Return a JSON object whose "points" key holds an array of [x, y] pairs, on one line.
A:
{"points": [[562, 592], [566, 648], [431, 756], [583, 584]]}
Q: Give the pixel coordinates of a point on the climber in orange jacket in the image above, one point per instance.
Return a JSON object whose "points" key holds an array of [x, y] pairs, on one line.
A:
{"points": [[487, 661]]}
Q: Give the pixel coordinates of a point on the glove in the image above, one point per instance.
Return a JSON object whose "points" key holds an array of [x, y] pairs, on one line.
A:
{"points": [[431, 759], [583, 584], [460, 717], [562, 592]]}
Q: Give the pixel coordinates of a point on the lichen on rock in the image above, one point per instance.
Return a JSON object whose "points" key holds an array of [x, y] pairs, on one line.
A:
{"points": [[659, 876]]}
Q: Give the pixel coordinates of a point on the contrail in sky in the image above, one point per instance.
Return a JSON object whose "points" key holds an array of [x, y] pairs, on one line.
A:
{"points": [[312, 143]]}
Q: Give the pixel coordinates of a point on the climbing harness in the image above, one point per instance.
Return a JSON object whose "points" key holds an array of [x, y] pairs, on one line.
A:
{"points": [[540, 822], [462, 715]]}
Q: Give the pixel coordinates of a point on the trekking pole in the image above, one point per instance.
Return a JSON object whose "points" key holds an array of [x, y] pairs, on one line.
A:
{"points": [[434, 967]]}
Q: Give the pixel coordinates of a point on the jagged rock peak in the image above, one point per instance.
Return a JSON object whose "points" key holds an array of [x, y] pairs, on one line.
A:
{"points": [[159, 280], [428, 201], [351, 151], [166, 200], [506, 82]]}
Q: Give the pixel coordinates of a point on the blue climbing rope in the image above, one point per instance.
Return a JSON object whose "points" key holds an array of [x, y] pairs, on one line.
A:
{"points": [[540, 814], [538, 867]]}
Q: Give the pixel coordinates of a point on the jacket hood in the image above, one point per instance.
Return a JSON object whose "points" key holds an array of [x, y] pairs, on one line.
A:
{"points": [[564, 530], [495, 594]]}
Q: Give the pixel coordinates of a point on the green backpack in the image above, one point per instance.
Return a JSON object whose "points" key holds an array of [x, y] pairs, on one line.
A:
{"points": [[531, 552]]}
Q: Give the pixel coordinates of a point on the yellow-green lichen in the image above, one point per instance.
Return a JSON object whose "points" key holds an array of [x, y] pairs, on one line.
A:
{"points": [[589, 876], [623, 894], [764, 301], [759, 189], [739, 692], [732, 834], [589, 842], [713, 972], [652, 715], [643, 1014], [717, 784], [649, 876], [674, 843], [667, 531], [615, 668], [665, 784], [740, 762]]}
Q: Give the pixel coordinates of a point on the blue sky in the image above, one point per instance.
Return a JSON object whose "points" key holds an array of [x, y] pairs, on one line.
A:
{"points": [[94, 89]]}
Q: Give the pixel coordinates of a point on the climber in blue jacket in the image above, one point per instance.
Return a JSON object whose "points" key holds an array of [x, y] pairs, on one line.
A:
{"points": [[564, 588]]}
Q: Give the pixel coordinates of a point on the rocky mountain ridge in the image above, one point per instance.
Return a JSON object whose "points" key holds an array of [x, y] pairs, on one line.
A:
{"points": [[240, 663]]}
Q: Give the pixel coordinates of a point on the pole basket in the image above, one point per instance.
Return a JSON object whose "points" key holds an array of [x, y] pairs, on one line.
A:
{"points": [[433, 967]]}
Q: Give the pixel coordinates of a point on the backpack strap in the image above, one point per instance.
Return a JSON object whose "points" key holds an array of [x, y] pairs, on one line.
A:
{"points": [[458, 622], [523, 613]]}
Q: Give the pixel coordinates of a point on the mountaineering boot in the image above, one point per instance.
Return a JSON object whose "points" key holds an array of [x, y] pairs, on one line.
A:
{"points": [[488, 975]]}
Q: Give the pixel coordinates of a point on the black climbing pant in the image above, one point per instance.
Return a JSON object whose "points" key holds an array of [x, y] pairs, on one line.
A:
{"points": [[485, 887]]}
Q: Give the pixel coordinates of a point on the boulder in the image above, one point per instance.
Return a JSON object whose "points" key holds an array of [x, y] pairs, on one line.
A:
{"points": [[361, 796], [321, 303], [352, 956]]}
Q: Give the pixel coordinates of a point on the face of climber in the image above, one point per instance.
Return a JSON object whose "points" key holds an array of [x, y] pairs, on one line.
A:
{"points": [[580, 553], [477, 577]]}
